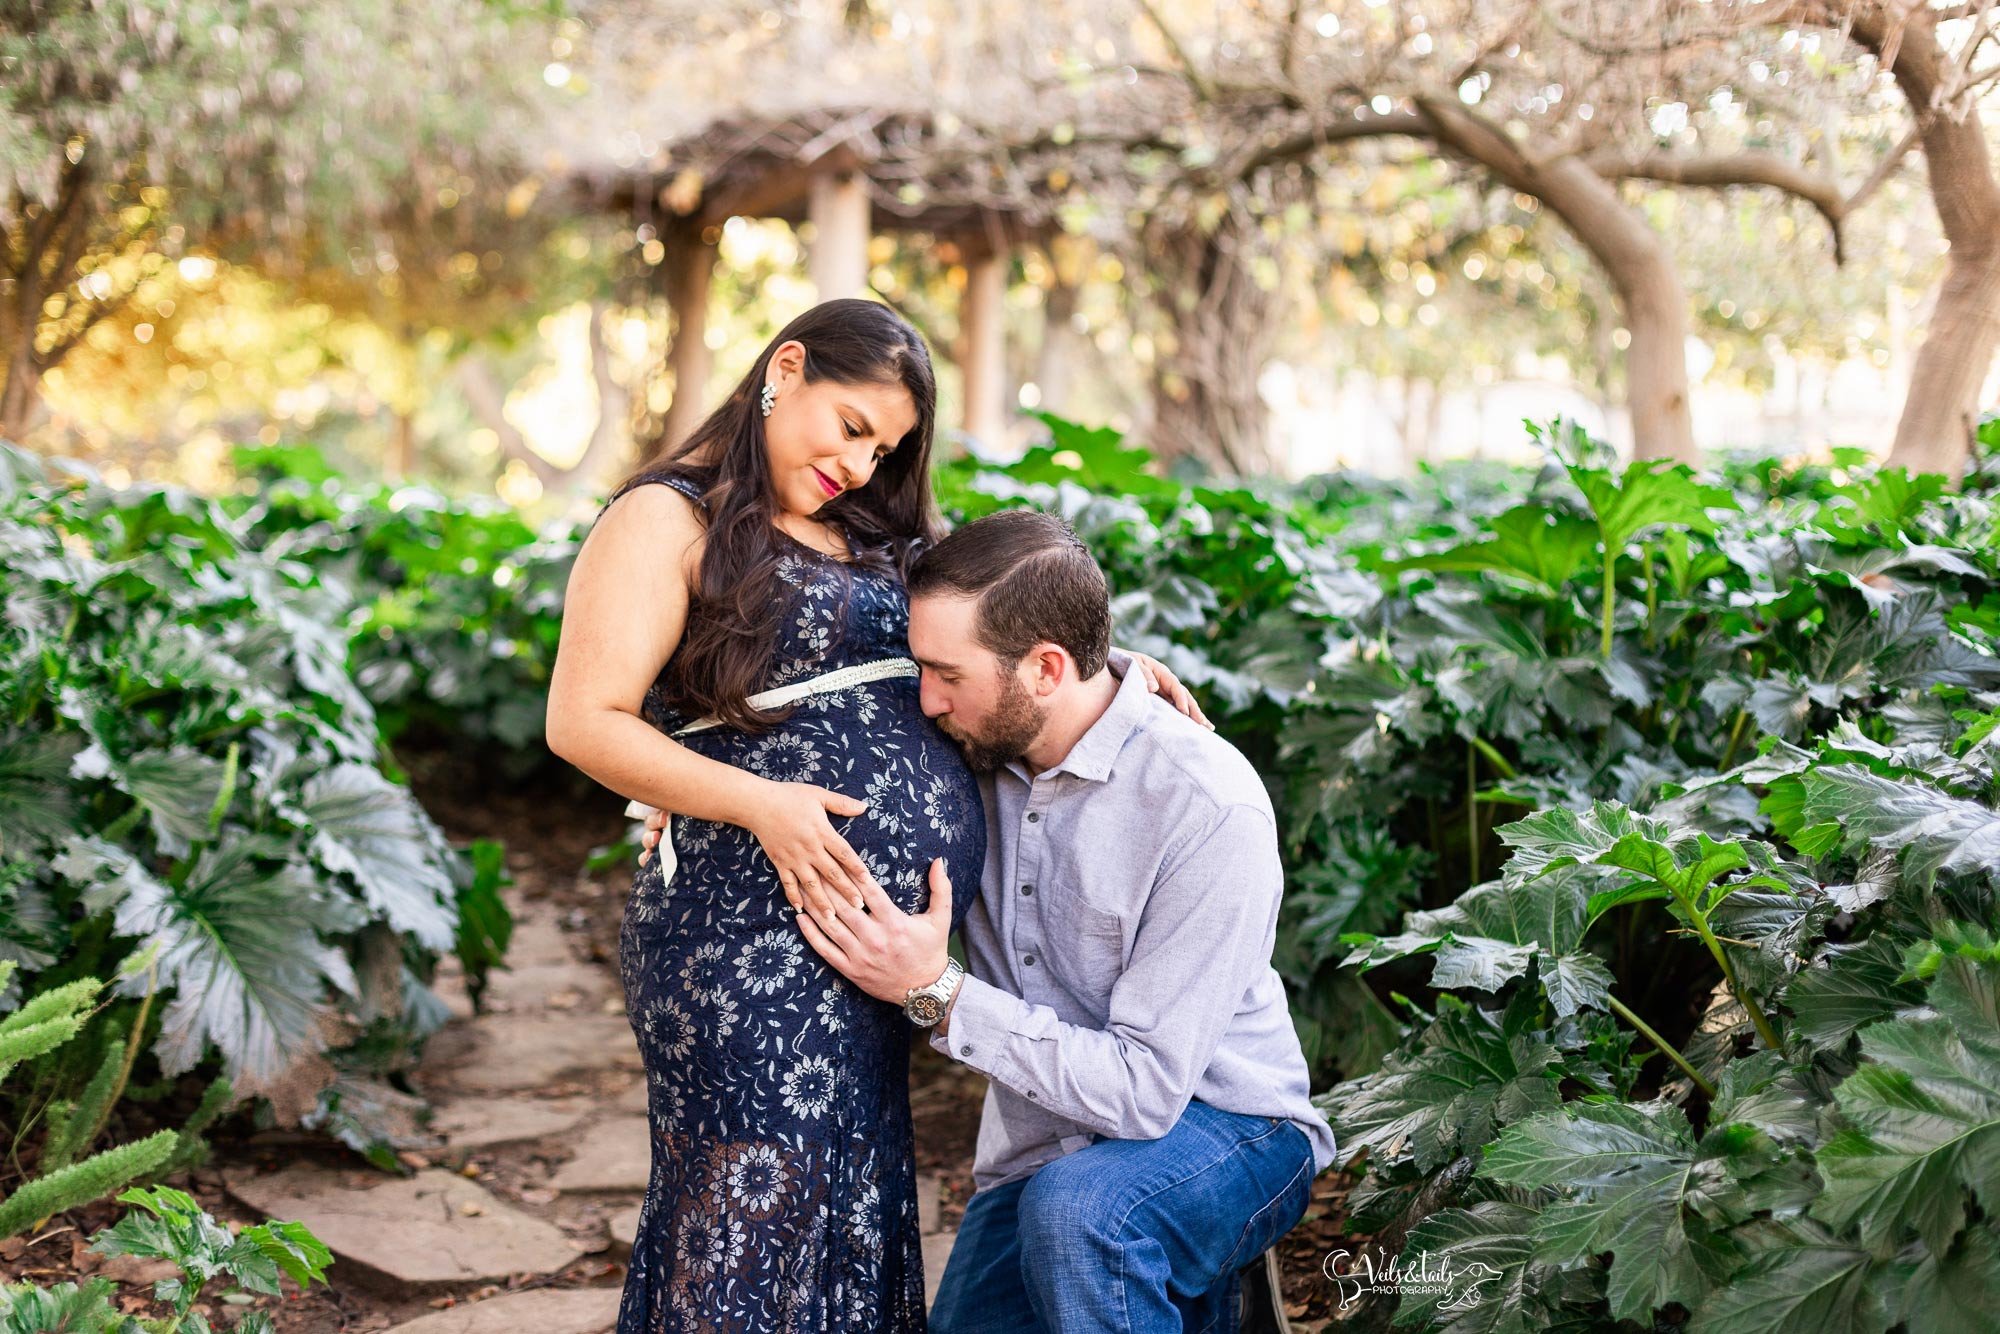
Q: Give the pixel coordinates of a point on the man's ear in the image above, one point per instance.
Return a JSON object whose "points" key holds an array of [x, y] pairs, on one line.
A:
{"points": [[1052, 666]]}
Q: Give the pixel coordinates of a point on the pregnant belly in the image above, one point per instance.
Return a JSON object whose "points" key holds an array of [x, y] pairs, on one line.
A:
{"points": [[873, 744]]}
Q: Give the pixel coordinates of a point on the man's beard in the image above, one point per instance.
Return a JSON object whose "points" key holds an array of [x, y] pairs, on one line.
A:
{"points": [[1016, 722]]}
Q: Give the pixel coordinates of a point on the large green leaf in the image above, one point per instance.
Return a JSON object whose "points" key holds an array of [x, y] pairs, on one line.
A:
{"points": [[1801, 1279], [1648, 493], [1959, 1291], [1854, 986], [1496, 931], [36, 804], [1925, 1112], [1542, 547], [177, 787], [1491, 1281], [1553, 837], [1935, 831], [1471, 1072], [368, 827], [238, 948], [1634, 1183]]}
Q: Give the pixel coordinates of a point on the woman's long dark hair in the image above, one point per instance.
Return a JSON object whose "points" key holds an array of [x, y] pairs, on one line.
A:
{"points": [[733, 621]]}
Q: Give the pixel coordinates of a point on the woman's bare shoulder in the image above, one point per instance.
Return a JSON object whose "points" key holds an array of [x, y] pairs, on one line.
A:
{"points": [[650, 521]]}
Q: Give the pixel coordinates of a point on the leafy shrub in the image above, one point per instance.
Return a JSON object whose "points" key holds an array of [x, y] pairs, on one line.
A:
{"points": [[172, 1227], [456, 603], [186, 764], [1475, 640], [1817, 1157]]}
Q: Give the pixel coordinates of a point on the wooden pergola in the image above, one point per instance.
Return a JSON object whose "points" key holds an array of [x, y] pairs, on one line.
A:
{"points": [[850, 174]]}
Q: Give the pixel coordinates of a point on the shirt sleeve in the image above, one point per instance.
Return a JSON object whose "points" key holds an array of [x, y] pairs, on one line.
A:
{"points": [[1205, 934]]}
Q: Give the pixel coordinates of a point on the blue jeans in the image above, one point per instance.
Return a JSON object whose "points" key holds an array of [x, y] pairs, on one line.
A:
{"points": [[1138, 1236]]}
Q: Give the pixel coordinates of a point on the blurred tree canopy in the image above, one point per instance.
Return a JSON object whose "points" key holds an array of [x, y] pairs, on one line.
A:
{"points": [[1421, 190], [140, 134]]}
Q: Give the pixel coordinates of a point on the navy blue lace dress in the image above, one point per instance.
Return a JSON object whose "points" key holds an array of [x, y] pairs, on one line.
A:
{"points": [[783, 1188]]}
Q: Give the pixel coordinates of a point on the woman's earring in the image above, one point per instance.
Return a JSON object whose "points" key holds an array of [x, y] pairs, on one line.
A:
{"points": [[767, 398]]}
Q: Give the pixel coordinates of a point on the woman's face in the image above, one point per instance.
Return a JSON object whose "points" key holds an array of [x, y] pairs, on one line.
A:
{"points": [[828, 438]]}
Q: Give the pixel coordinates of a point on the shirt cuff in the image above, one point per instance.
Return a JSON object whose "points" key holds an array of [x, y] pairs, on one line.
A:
{"points": [[982, 1020]]}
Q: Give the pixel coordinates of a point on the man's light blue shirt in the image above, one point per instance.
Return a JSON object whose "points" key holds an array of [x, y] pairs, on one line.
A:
{"points": [[1120, 950]]}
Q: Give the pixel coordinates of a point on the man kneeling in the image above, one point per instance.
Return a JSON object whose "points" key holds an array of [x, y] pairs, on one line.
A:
{"points": [[1147, 1129]]}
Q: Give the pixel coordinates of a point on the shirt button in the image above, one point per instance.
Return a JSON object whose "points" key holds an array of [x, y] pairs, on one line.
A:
{"points": [[966, 1050], [1031, 1095], [1034, 817], [1028, 959], [1028, 890]]}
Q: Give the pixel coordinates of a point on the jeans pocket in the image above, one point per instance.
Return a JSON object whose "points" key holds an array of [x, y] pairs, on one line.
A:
{"points": [[1276, 1218]]}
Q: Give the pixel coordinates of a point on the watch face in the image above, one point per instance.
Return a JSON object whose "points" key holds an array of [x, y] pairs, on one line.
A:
{"points": [[925, 1010]]}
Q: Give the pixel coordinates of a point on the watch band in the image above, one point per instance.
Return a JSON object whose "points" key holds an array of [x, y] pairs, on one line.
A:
{"points": [[925, 1006]]}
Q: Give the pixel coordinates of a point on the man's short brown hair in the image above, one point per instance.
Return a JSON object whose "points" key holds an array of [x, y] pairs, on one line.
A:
{"points": [[1035, 581]]}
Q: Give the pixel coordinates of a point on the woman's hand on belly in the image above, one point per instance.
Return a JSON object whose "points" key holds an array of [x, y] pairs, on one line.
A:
{"points": [[800, 826], [814, 862]]}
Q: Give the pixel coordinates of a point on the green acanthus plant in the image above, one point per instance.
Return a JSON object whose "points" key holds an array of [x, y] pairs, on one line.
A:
{"points": [[167, 1224]]}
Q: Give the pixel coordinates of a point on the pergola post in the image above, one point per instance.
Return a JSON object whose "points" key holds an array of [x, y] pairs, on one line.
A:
{"points": [[983, 325], [693, 264], [840, 214]]}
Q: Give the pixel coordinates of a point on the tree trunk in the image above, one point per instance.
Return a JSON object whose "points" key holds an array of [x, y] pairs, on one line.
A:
{"points": [[610, 439], [59, 230], [1935, 431], [983, 349], [1421, 400], [1205, 400], [691, 271], [403, 445], [20, 395], [1634, 258], [840, 211]]}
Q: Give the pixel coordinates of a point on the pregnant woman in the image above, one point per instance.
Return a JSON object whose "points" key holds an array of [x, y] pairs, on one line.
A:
{"points": [[734, 650]]}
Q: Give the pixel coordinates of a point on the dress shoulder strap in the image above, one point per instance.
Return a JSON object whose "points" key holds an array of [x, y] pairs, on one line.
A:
{"points": [[679, 482]]}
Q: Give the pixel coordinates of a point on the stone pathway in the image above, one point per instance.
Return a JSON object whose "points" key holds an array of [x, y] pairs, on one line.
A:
{"points": [[540, 1155]]}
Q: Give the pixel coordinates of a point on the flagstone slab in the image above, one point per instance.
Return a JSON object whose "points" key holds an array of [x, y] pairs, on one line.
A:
{"points": [[566, 986], [937, 1250], [544, 1311], [537, 938], [625, 1230], [481, 1123], [434, 1227], [928, 1188], [612, 1155], [513, 1053]]}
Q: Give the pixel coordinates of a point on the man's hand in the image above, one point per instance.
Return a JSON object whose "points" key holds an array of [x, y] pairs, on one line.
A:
{"points": [[886, 951], [651, 838]]}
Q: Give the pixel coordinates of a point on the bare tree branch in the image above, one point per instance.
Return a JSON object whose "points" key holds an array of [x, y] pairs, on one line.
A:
{"points": [[1822, 192], [1884, 169], [1194, 75], [98, 310]]}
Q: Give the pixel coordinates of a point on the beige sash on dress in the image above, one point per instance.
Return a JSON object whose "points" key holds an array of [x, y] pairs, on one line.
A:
{"points": [[861, 673]]}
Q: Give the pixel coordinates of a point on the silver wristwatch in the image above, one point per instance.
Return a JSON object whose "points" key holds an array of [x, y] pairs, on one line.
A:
{"points": [[926, 1005]]}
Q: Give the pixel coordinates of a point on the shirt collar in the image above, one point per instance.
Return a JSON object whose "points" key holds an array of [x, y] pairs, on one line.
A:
{"points": [[1095, 751]]}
